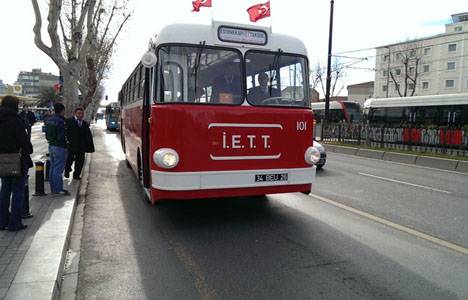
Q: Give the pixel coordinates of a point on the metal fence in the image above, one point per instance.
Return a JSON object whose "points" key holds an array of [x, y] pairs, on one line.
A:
{"points": [[449, 140]]}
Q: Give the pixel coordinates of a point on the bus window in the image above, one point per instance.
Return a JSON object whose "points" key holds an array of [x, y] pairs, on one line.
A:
{"points": [[199, 74], [276, 79], [172, 83], [377, 115], [395, 115]]}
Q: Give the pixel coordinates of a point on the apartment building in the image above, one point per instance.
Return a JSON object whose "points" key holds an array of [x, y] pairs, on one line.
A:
{"points": [[432, 65], [32, 82]]}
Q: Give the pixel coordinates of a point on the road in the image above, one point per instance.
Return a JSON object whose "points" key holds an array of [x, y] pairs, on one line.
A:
{"points": [[288, 246]]}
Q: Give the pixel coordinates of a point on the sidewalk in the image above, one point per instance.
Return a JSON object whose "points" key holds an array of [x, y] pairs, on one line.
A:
{"points": [[31, 260]]}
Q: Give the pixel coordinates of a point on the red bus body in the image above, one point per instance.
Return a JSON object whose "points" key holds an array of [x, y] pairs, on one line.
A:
{"points": [[216, 146]]}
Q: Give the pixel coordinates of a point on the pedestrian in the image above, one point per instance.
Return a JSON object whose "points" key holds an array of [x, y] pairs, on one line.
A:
{"points": [[80, 141], [14, 139], [55, 135], [28, 118]]}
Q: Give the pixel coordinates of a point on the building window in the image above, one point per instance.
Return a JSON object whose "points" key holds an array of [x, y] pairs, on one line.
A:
{"points": [[384, 73], [425, 85], [411, 86], [398, 55], [427, 51], [398, 71], [426, 68], [384, 88], [449, 83], [452, 47], [386, 57], [458, 28], [451, 65], [411, 70]]}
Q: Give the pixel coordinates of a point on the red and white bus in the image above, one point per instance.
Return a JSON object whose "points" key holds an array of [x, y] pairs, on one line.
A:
{"points": [[219, 111], [340, 111]]}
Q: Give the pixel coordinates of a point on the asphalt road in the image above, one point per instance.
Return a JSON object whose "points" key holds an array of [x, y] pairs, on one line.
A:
{"points": [[429, 200], [288, 246]]}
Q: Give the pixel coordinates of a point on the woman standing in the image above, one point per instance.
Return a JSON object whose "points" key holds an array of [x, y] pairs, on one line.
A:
{"points": [[14, 140]]}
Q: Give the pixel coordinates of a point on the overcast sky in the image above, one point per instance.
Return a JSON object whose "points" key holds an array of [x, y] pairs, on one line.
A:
{"points": [[358, 24]]}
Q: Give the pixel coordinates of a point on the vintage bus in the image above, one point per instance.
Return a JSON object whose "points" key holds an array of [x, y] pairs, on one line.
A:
{"points": [[209, 113], [340, 111], [432, 110], [113, 116]]}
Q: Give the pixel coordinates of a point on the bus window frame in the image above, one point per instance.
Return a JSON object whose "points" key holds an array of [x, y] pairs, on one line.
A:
{"points": [[306, 68], [158, 65]]}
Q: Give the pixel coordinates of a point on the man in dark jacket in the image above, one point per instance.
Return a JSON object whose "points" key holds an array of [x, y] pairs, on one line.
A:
{"points": [[13, 138], [55, 135], [28, 117], [80, 141]]}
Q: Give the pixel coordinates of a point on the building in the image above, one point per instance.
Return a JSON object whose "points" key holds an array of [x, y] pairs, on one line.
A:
{"points": [[360, 92], [32, 82], [2, 87], [433, 65]]}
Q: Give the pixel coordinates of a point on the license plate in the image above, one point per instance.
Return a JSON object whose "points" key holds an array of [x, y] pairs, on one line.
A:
{"points": [[271, 177]]}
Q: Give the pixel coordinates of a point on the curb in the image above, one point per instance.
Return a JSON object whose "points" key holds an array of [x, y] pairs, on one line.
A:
{"points": [[40, 274], [420, 160]]}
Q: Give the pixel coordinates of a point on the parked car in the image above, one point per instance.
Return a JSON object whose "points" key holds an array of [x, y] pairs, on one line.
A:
{"points": [[323, 155]]}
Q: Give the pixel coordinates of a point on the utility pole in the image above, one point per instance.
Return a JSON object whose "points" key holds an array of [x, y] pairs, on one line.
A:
{"points": [[330, 39], [388, 70]]}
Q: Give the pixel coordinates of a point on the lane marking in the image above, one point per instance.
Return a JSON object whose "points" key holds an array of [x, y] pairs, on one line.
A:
{"points": [[406, 183], [413, 232]]}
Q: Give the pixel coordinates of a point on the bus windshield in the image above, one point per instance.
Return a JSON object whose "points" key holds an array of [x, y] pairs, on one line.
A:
{"points": [[199, 74], [278, 79]]}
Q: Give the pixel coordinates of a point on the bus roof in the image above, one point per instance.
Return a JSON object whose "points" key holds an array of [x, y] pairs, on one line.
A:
{"points": [[447, 99], [196, 34]]}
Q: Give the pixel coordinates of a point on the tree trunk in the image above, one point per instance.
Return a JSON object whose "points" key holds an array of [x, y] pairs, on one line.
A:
{"points": [[70, 93]]}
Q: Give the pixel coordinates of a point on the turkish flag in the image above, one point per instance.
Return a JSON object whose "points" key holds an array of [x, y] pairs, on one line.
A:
{"points": [[259, 11], [200, 3]]}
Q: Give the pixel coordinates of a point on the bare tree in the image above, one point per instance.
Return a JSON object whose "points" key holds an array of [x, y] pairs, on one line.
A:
{"points": [[82, 37], [338, 73], [405, 70]]}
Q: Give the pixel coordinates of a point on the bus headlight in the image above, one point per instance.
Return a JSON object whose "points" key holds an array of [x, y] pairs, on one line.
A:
{"points": [[312, 155], [166, 158]]}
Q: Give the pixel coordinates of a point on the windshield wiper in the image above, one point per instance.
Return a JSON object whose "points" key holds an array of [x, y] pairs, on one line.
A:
{"points": [[197, 65], [274, 66]]}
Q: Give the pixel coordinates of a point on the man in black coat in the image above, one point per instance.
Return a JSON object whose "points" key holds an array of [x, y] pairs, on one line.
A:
{"points": [[80, 141], [13, 138], [28, 117]]}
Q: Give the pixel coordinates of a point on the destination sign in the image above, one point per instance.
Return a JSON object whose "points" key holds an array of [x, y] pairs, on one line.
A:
{"points": [[242, 35]]}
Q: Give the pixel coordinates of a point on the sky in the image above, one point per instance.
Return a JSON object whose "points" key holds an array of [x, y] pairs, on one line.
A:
{"points": [[358, 25]]}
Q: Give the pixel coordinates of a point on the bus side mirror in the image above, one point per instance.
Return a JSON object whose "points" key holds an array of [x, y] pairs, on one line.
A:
{"points": [[149, 59]]}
